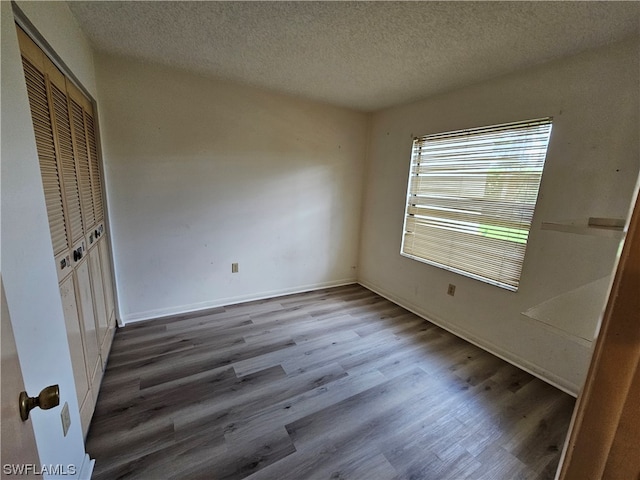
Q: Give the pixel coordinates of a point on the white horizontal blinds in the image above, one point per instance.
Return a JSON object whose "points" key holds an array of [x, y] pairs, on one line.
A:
{"points": [[471, 198], [43, 128], [96, 178], [67, 162], [84, 169]]}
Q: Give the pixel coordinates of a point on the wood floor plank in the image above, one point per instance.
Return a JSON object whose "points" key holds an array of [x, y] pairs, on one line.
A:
{"points": [[207, 359], [228, 410], [337, 383], [300, 355], [365, 408], [301, 405], [357, 467]]}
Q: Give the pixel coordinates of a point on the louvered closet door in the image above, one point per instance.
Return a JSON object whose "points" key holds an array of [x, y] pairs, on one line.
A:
{"points": [[46, 89], [67, 163], [89, 324], [68, 154], [96, 177], [76, 339], [82, 156], [91, 193], [105, 263], [51, 178], [98, 297], [88, 164]]}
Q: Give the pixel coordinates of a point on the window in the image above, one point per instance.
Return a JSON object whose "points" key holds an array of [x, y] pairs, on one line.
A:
{"points": [[471, 197]]}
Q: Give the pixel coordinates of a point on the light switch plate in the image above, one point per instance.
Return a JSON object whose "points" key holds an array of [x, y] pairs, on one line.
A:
{"points": [[66, 418]]}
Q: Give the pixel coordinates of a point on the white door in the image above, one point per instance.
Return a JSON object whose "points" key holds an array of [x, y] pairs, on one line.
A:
{"points": [[19, 452]]}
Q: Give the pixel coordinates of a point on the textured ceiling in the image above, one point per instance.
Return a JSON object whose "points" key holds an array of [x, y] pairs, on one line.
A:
{"points": [[361, 55]]}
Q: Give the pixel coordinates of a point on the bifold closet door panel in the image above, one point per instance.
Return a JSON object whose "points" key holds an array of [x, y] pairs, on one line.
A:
{"points": [[43, 129], [85, 299], [105, 261], [103, 250], [66, 157], [62, 127], [75, 337], [87, 161], [98, 296], [82, 161], [96, 175], [41, 116], [67, 148], [87, 407]]}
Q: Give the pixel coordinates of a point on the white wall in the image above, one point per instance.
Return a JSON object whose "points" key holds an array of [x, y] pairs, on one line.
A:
{"points": [[591, 170], [203, 173], [28, 269]]}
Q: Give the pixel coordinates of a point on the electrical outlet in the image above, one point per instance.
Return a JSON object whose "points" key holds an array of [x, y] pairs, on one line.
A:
{"points": [[234, 268], [66, 418], [451, 290]]}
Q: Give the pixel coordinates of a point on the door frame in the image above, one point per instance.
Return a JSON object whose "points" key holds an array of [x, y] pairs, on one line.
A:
{"points": [[605, 423]]}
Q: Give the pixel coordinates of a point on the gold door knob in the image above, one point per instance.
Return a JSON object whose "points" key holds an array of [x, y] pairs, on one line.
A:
{"points": [[49, 397]]}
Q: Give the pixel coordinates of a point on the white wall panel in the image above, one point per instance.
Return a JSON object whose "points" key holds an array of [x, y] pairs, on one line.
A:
{"points": [[204, 173], [591, 170]]}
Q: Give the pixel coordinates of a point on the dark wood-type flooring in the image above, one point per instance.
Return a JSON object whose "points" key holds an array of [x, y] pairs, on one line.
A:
{"points": [[331, 384]]}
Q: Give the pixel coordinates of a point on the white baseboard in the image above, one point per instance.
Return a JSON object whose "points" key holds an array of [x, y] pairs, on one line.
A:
{"points": [[541, 373], [221, 302]]}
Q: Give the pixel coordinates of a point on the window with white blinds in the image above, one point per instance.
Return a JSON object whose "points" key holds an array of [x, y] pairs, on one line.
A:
{"points": [[471, 198]]}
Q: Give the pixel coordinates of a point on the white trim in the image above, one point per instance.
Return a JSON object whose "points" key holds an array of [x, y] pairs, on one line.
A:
{"points": [[543, 374], [196, 307], [87, 468]]}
